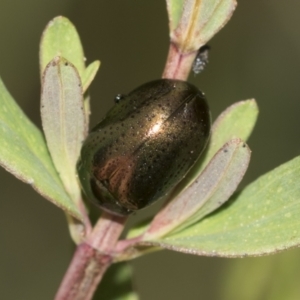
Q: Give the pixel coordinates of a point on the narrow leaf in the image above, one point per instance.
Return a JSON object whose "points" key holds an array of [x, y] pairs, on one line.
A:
{"points": [[23, 152], [60, 38], [237, 121], [89, 74], [208, 192], [175, 9], [63, 119], [194, 22], [262, 219]]}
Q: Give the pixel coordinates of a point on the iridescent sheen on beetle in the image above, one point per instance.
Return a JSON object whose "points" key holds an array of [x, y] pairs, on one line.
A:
{"points": [[144, 146]]}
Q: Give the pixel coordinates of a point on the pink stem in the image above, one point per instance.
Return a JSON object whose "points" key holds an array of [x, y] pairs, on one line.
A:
{"points": [[122, 245], [178, 65], [91, 259]]}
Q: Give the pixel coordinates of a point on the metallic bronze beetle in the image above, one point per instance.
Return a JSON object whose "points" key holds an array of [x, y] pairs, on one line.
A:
{"points": [[144, 146]]}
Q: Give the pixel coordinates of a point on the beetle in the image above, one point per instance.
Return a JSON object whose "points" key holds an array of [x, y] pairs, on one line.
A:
{"points": [[144, 146]]}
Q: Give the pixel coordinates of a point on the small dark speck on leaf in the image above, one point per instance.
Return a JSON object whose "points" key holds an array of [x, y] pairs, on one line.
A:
{"points": [[244, 145], [225, 151], [66, 64]]}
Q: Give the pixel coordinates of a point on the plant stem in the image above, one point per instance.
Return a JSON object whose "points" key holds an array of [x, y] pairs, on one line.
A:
{"points": [[91, 259], [178, 65]]}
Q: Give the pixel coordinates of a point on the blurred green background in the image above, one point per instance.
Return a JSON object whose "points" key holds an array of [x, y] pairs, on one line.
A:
{"points": [[255, 55]]}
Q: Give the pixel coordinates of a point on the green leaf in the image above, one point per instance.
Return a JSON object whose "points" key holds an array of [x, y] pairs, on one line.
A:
{"points": [[23, 153], [208, 192], [262, 219], [237, 121], [60, 38], [89, 74], [63, 119], [194, 22], [117, 284], [175, 8]]}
